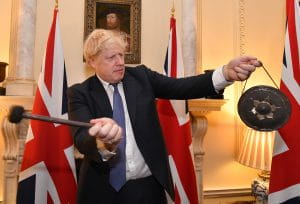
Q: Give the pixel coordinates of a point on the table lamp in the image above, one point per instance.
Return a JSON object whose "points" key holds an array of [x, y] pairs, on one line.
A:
{"points": [[256, 152]]}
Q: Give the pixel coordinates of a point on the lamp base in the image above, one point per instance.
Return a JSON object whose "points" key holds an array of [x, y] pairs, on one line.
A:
{"points": [[264, 175], [260, 187]]}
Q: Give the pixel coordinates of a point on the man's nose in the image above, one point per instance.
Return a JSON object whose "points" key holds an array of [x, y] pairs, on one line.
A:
{"points": [[120, 59]]}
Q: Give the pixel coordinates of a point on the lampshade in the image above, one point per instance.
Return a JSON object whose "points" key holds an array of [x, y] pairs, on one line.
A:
{"points": [[256, 150]]}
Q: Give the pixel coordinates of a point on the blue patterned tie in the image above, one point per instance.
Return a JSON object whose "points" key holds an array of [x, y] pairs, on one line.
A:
{"points": [[117, 176]]}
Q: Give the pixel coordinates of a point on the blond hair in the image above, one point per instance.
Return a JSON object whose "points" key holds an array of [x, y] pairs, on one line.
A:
{"points": [[99, 40]]}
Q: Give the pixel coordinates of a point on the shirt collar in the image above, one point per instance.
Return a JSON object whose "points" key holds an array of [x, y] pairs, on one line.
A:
{"points": [[105, 84]]}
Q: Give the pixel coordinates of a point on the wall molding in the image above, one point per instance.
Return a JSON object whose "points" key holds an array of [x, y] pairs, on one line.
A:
{"points": [[242, 27], [221, 193], [199, 37], [240, 50]]}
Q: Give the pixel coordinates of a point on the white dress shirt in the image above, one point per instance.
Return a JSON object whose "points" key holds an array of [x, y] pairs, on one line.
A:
{"points": [[136, 166], [219, 80]]}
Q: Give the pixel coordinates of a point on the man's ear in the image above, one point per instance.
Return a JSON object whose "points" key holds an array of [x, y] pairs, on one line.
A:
{"points": [[91, 62]]}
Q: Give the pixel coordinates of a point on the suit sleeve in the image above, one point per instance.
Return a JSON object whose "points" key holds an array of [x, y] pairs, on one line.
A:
{"points": [[182, 88], [80, 111]]}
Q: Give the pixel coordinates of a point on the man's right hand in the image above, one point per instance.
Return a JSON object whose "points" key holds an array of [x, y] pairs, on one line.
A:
{"points": [[107, 131]]}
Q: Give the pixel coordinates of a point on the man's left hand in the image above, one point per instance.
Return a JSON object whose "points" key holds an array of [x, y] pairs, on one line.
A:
{"points": [[239, 69]]}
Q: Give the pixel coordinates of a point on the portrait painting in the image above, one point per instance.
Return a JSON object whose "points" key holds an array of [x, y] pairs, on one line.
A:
{"points": [[120, 16]]}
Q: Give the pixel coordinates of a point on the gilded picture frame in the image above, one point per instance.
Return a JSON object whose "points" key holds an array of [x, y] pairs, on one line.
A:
{"points": [[122, 16]]}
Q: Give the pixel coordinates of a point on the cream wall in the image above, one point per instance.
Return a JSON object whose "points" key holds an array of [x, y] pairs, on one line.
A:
{"points": [[219, 44], [230, 28], [4, 57], [5, 29]]}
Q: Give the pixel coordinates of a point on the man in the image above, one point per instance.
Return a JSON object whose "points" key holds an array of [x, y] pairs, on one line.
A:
{"points": [[147, 173]]}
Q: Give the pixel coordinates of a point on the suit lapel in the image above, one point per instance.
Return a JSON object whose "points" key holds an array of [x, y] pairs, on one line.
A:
{"points": [[131, 90], [100, 98]]}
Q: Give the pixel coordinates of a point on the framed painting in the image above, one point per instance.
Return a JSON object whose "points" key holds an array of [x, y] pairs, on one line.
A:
{"points": [[122, 16]]}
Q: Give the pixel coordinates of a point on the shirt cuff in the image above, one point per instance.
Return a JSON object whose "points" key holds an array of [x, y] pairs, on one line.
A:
{"points": [[105, 153], [219, 80]]}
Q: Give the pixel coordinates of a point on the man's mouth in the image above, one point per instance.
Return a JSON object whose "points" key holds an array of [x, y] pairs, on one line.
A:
{"points": [[119, 70]]}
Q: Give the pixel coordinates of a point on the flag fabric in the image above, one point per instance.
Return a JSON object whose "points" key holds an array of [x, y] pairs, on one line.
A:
{"points": [[47, 172], [285, 170], [176, 128]]}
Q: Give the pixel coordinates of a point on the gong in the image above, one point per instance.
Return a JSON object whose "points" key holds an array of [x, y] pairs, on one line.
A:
{"points": [[264, 108]]}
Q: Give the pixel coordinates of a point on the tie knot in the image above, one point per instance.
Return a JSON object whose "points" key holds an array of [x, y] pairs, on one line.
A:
{"points": [[116, 90], [115, 85]]}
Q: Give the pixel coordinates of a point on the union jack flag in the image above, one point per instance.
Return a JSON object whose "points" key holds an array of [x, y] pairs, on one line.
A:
{"points": [[48, 168], [285, 170], [176, 128]]}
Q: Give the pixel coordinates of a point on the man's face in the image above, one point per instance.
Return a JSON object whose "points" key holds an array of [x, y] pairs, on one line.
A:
{"points": [[109, 64], [112, 21]]}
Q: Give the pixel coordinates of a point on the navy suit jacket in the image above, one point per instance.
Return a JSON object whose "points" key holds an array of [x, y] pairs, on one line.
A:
{"points": [[142, 86]]}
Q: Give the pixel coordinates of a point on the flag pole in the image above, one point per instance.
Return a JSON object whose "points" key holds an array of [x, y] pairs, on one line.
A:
{"points": [[56, 4]]}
